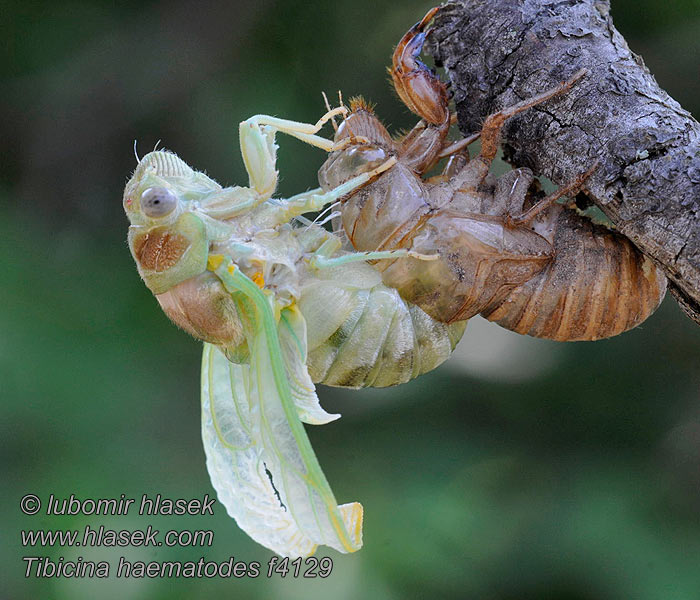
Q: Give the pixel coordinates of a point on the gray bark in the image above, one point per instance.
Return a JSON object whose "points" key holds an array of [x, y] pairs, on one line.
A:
{"points": [[498, 52]]}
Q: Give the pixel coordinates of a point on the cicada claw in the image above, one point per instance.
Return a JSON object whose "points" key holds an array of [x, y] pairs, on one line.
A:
{"points": [[417, 86]]}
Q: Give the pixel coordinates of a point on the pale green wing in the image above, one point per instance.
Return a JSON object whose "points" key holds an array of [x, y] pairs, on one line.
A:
{"points": [[235, 457], [292, 336], [258, 455]]}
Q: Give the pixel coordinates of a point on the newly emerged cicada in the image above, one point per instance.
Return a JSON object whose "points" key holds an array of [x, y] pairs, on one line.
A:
{"points": [[535, 267], [280, 305]]}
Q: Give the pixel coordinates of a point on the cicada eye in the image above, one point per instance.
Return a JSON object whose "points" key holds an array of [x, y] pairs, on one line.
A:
{"points": [[158, 202]]}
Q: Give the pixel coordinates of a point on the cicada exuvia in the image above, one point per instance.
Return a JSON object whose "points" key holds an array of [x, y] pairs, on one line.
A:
{"points": [[528, 263]]}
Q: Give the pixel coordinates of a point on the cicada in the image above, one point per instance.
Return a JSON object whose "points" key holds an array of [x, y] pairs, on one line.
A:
{"points": [[280, 305], [530, 264]]}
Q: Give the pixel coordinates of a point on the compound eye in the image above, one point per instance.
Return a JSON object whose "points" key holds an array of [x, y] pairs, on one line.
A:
{"points": [[158, 202]]}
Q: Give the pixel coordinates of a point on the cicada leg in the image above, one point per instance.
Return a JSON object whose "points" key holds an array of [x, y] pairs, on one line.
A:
{"points": [[491, 131], [568, 189], [259, 151], [476, 171], [257, 139], [452, 148], [417, 86], [316, 199], [510, 192], [319, 261], [424, 94], [454, 165], [303, 131]]}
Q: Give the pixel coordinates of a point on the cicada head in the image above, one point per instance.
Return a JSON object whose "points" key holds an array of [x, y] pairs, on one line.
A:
{"points": [[168, 240]]}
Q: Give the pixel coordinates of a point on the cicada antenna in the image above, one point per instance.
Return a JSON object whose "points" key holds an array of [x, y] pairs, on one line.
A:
{"points": [[328, 108], [156, 146], [136, 154], [340, 102]]}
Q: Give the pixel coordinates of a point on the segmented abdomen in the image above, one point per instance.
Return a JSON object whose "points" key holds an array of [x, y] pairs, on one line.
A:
{"points": [[362, 333], [597, 286]]}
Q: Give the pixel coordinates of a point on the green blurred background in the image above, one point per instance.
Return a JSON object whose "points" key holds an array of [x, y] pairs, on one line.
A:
{"points": [[520, 469]]}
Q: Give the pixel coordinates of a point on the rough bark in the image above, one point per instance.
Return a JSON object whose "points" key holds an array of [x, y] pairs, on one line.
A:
{"points": [[497, 52]]}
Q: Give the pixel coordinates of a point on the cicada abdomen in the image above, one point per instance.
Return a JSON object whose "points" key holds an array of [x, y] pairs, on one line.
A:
{"points": [[362, 333], [597, 285]]}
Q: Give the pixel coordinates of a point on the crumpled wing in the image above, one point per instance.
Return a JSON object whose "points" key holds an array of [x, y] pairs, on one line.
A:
{"points": [[292, 336], [258, 455]]}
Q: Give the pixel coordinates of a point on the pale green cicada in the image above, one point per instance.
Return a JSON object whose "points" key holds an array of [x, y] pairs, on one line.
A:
{"points": [[280, 304]]}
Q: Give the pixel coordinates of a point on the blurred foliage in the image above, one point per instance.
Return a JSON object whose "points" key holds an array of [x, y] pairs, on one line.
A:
{"points": [[521, 469]]}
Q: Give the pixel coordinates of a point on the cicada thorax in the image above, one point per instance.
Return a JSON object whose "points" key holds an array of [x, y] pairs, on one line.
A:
{"points": [[598, 286], [382, 213]]}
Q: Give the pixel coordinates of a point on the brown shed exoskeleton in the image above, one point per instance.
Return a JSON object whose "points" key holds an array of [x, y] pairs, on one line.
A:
{"points": [[535, 267]]}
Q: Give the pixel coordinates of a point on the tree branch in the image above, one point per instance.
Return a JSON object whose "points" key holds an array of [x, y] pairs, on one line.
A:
{"points": [[498, 52]]}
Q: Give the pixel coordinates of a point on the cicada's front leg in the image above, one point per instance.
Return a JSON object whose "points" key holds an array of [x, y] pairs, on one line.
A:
{"points": [[306, 132], [259, 152], [419, 89], [316, 199]]}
